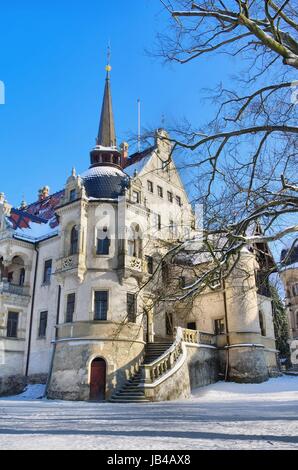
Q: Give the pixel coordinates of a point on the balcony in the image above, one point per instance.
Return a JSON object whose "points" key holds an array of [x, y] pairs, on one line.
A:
{"points": [[8, 288], [67, 263], [198, 337], [135, 264], [73, 265]]}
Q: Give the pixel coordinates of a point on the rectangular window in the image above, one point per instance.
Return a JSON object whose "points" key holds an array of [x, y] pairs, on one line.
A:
{"points": [[219, 326], [136, 197], [171, 228], [169, 324], [149, 263], [101, 305], [131, 308], [178, 200], [160, 191], [70, 307], [12, 324], [43, 320], [295, 289], [170, 196], [47, 272], [150, 186], [158, 222], [192, 325], [103, 246]]}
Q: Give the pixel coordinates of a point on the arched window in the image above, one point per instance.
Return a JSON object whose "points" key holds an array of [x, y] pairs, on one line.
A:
{"points": [[262, 323], [74, 238], [103, 242]]}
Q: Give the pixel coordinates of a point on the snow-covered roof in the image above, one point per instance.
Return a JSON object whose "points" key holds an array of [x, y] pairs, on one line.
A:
{"points": [[36, 222], [37, 231], [138, 161]]}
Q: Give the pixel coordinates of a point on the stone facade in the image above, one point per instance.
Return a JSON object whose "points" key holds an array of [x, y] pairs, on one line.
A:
{"points": [[289, 276], [73, 271]]}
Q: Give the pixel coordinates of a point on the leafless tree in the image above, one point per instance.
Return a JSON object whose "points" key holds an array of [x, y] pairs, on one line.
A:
{"points": [[247, 155]]}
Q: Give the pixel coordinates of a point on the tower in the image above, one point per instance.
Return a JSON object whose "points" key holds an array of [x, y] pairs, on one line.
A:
{"points": [[106, 151]]}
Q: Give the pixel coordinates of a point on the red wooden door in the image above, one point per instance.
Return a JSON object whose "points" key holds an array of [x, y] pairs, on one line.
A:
{"points": [[98, 380]]}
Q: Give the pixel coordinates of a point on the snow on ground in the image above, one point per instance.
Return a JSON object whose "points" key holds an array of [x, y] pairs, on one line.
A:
{"points": [[31, 392], [220, 416]]}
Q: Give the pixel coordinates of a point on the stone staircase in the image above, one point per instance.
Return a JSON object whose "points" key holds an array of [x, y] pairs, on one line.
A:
{"points": [[132, 390]]}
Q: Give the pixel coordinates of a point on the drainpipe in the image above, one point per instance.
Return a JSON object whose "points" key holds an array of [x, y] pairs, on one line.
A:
{"points": [[227, 331], [32, 311], [55, 342]]}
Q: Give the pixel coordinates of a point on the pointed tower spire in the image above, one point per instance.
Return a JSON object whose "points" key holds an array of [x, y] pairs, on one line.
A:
{"points": [[106, 133], [105, 152]]}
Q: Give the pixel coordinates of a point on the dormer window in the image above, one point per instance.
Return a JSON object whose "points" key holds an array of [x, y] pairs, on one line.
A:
{"points": [[72, 195], [136, 197]]}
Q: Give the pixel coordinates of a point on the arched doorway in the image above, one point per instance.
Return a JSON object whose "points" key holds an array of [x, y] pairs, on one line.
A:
{"points": [[98, 379]]}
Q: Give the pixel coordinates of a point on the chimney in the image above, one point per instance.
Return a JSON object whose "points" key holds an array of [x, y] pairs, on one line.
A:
{"points": [[43, 193], [124, 153]]}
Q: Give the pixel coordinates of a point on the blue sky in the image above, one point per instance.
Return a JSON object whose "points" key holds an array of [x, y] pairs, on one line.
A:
{"points": [[52, 62]]}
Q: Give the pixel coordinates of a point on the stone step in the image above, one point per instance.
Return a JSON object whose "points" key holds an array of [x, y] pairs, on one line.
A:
{"points": [[132, 385], [125, 400], [132, 390], [129, 395]]}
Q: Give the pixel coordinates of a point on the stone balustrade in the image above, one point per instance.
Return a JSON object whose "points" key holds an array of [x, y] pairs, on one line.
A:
{"points": [[207, 338], [8, 288], [67, 263], [190, 336], [198, 337], [166, 362], [152, 372]]}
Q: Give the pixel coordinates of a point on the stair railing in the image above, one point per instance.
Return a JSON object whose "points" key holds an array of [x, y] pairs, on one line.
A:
{"points": [[166, 362], [190, 336]]}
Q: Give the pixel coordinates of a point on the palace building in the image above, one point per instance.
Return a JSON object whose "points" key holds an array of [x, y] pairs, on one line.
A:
{"points": [[83, 281], [289, 277]]}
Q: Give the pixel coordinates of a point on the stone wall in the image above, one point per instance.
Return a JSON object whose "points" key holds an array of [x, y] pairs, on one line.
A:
{"points": [[12, 385], [199, 368], [70, 377]]}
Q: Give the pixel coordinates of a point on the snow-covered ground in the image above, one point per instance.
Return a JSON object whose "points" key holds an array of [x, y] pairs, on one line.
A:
{"points": [[220, 416]]}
